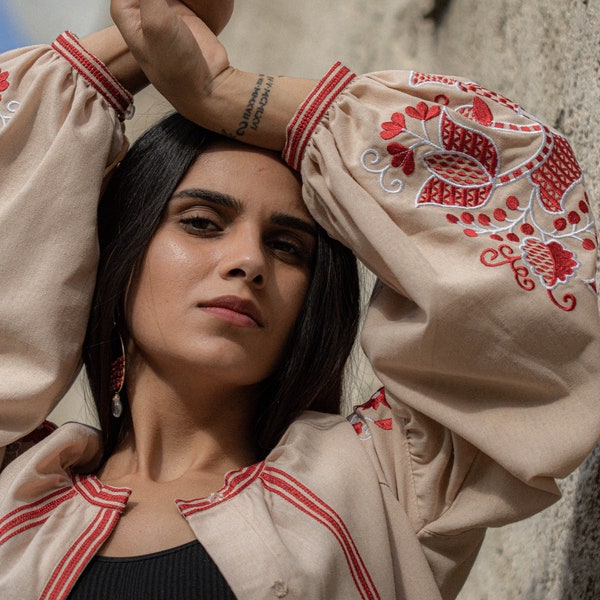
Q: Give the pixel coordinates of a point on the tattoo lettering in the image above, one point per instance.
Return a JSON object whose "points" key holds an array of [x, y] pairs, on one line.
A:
{"points": [[256, 105]]}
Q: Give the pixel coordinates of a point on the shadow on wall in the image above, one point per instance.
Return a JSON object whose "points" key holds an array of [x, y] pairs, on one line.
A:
{"points": [[581, 575], [438, 12]]}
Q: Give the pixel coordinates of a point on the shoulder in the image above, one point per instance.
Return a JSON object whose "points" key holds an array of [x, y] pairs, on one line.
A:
{"points": [[48, 465]]}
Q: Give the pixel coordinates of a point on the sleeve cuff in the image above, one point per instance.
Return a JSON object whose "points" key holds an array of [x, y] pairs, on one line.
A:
{"points": [[96, 73], [302, 126]]}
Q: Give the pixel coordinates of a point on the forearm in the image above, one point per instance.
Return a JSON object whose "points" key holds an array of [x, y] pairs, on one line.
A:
{"points": [[252, 108]]}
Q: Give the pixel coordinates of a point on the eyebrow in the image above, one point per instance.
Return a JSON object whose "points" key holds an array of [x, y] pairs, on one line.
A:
{"points": [[231, 203]]}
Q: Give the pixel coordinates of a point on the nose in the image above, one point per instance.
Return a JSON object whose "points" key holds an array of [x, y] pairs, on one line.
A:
{"points": [[244, 258]]}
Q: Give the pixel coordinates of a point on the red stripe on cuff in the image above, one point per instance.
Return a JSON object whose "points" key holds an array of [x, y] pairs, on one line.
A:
{"points": [[311, 112], [96, 73]]}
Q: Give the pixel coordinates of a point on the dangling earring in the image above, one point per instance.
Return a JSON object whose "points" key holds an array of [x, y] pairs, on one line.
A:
{"points": [[117, 380]]}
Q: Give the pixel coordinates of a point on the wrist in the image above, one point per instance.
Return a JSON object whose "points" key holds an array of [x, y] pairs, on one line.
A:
{"points": [[249, 107]]}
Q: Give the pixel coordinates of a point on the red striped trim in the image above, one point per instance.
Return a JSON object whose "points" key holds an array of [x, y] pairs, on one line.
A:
{"points": [[298, 495], [79, 554], [235, 482], [105, 496], [32, 514], [311, 112], [96, 73]]}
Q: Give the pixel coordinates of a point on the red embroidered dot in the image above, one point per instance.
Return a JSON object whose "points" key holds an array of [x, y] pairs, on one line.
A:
{"points": [[500, 214], [512, 202], [513, 237], [573, 217], [588, 244], [583, 207], [560, 224], [467, 218], [527, 229], [442, 99], [470, 232], [495, 236], [452, 218], [483, 219]]}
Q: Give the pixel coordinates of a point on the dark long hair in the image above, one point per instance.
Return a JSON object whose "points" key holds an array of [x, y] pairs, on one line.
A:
{"points": [[310, 375]]}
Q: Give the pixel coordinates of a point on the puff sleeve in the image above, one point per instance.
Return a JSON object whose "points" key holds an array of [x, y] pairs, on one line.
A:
{"points": [[483, 326], [60, 127]]}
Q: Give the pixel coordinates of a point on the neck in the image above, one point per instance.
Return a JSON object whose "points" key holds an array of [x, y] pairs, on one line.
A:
{"points": [[179, 430]]}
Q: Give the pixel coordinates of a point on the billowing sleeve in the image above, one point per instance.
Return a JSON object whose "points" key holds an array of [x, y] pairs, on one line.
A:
{"points": [[483, 326], [60, 128]]}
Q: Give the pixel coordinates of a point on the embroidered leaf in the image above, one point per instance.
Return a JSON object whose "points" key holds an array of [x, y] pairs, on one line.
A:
{"points": [[394, 127], [423, 112], [384, 424], [482, 112]]}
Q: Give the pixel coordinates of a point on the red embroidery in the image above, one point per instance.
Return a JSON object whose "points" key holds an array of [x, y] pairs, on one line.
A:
{"points": [[394, 127], [454, 145], [403, 157], [384, 424], [423, 111], [376, 400], [4, 83]]}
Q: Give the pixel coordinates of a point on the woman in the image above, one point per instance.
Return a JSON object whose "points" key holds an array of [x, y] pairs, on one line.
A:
{"points": [[450, 193]]}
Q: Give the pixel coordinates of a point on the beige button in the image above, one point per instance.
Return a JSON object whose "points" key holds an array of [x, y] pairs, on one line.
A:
{"points": [[280, 589]]}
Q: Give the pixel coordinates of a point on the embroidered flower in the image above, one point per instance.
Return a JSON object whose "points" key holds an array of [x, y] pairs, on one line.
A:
{"points": [[402, 156], [423, 112], [4, 83], [394, 127]]}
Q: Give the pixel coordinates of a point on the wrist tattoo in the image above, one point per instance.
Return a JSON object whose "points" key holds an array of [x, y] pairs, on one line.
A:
{"points": [[256, 105]]}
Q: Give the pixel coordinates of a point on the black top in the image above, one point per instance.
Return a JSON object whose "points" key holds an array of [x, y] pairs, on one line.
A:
{"points": [[183, 573]]}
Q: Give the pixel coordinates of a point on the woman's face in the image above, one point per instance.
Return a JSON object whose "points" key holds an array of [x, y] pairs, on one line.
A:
{"points": [[226, 274]]}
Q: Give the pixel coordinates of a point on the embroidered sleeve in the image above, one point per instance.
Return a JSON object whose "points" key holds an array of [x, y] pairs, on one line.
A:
{"points": [[60, 112], [484, 324]]}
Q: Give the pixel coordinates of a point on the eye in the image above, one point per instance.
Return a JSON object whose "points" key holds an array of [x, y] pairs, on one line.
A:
{"points": [[290, 249], [197, 225]]}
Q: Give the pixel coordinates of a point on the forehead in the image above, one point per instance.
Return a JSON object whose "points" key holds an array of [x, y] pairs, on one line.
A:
{"points": [[248, 174]]}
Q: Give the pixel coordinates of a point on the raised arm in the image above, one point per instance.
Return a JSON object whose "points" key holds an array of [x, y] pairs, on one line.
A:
{"points": [[189, 66]]}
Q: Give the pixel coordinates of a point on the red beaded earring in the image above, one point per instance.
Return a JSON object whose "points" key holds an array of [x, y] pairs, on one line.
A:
{"points": [[117, 380]]}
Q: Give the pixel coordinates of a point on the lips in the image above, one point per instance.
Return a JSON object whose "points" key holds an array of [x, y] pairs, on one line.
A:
{"points": [[232, 306]]}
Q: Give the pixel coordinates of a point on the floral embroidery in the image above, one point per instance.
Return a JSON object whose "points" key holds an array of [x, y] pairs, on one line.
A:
{"points": [[361, 417], [4, 84], [453, 156], [11, 106]]}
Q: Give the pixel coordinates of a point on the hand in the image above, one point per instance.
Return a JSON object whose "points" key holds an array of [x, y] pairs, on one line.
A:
{"points": [[215, 13], [177, 51]]}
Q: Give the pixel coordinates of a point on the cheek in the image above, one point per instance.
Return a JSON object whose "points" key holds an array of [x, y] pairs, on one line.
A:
{"points": [[161, 278]]}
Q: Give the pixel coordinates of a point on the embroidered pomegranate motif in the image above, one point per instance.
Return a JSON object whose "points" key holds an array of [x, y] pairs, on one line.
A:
{"points": [[449, 151], [551, 262]]}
